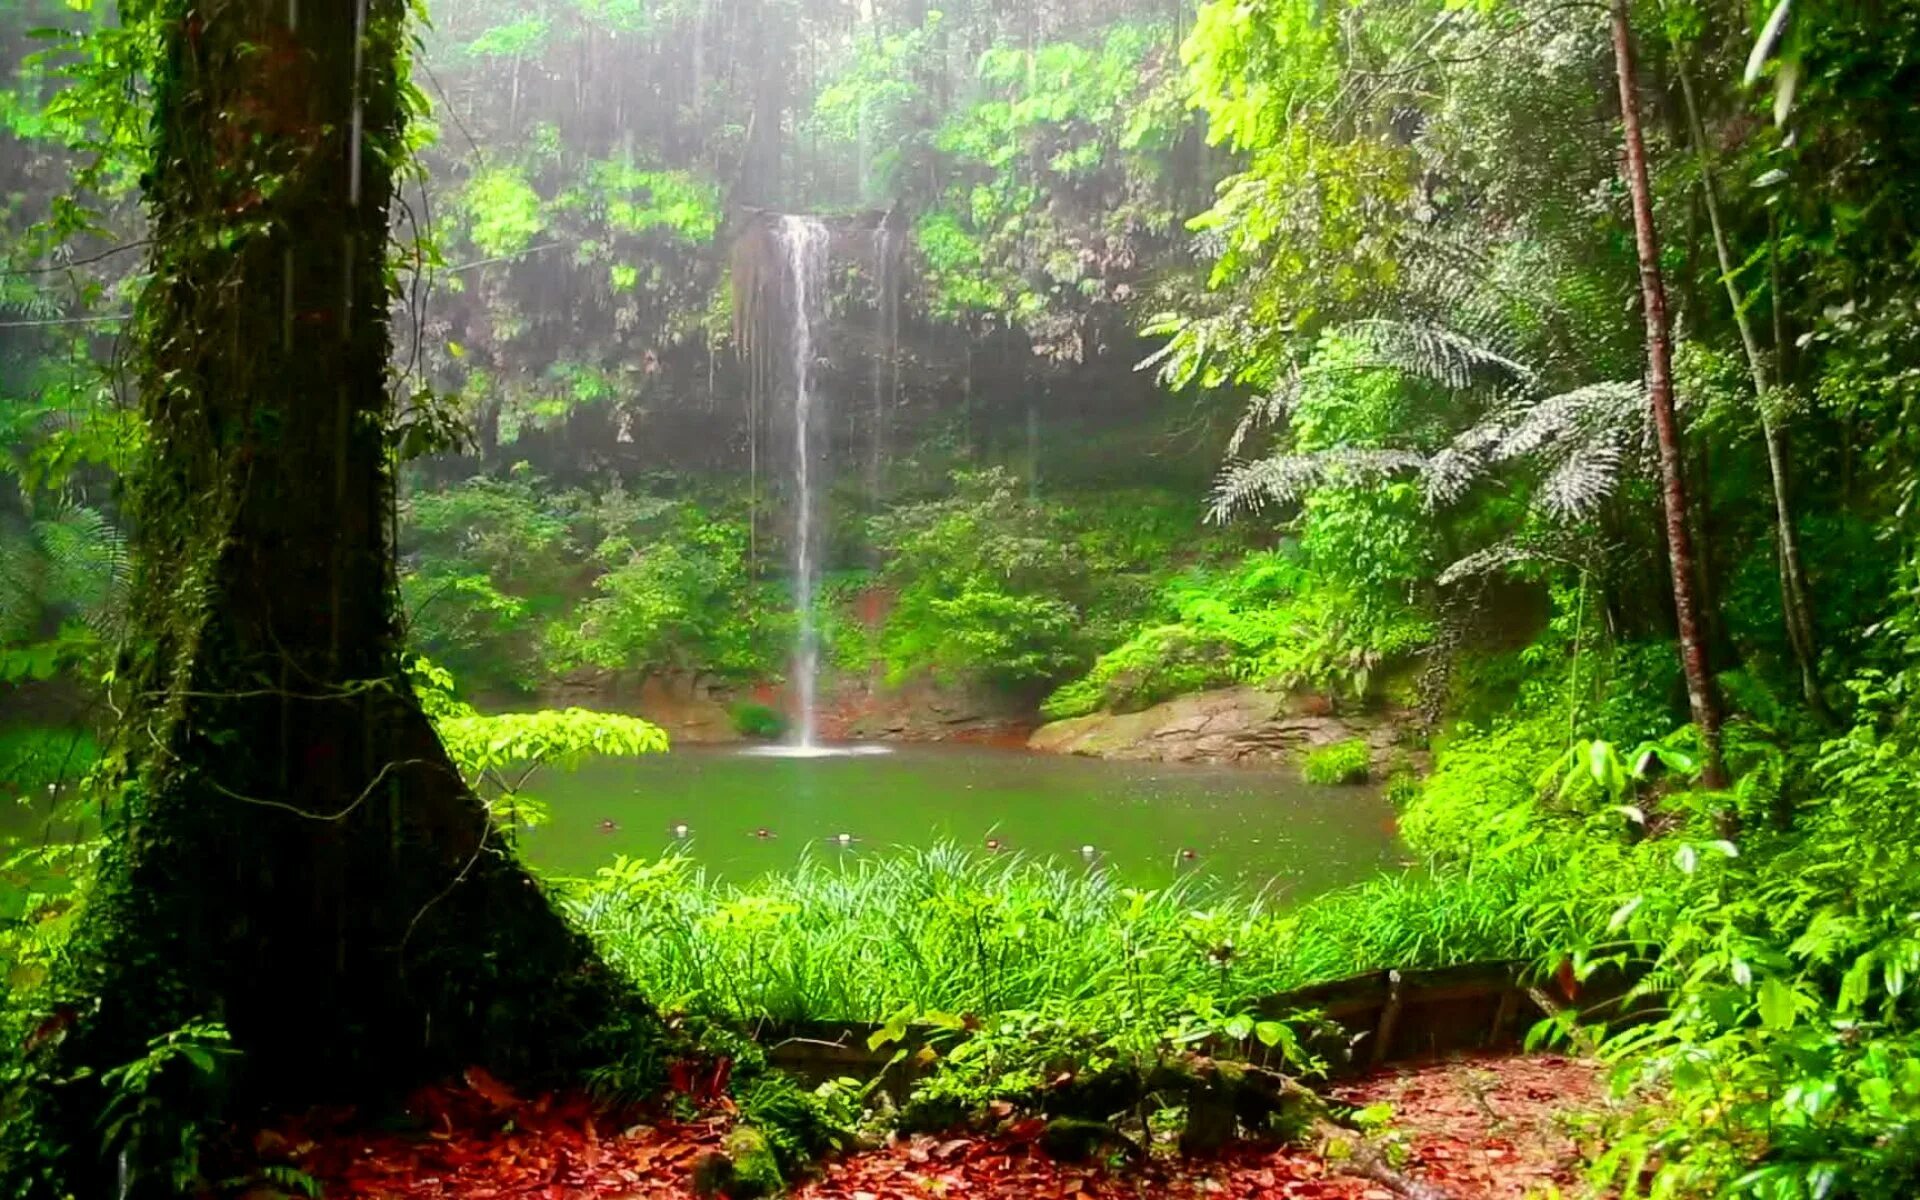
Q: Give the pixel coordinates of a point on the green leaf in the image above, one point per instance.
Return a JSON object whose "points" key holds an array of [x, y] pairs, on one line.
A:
{"points": [[1779, 1005], [1622, 914], [1856, 982], [892, 1031], [1786, 85], [1686, 858]]}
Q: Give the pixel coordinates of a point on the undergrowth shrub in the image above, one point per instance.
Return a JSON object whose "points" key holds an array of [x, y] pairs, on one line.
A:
{"points": [[511, 582], [760, 721], [986, 584], [1349, 761], [1266, 620], [1779, 1052]]}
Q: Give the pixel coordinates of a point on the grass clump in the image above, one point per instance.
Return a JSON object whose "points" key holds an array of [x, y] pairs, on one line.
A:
{"points": [[1350, 761], [947, 930]]}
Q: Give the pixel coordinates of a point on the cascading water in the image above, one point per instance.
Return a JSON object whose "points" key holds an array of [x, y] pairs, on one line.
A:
{"points": [[886, 356], [804, 242]]}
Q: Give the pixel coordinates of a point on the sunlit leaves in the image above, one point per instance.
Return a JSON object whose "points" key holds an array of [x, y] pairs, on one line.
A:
{"points": [[562, 738], [1055, 197], [633, 200], [503, 211], [513, 39]]}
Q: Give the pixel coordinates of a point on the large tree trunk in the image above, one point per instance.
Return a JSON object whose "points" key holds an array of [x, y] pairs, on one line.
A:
{"points": [[290, 851], [1701, 696]]}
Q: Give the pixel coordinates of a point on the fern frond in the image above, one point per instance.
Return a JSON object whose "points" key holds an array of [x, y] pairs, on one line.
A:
{"points": [[1433, 352], [1583, 480], [19, 585], [1502, 555], [83, 567], [1264, 411], [1285, 478], [1582, 415]]}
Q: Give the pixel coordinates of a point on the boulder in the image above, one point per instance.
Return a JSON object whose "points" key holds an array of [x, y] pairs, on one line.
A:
{"points": [[1230, 725]]}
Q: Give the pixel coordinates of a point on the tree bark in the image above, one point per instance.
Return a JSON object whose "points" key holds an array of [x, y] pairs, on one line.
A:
{"points": [[290, 852], [1701, 696], [1795, 595]]}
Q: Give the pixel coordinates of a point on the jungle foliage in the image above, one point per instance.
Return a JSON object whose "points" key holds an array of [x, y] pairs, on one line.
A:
{"points": [[1380, 257]]}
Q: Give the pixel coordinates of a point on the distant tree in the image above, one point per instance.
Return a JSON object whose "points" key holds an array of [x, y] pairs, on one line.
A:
{"points": [[1702, 698]]}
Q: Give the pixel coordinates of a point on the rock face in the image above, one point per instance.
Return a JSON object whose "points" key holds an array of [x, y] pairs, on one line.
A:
{"points": [[698, 709], [1233, 725], [692, 708], [924, 709]]}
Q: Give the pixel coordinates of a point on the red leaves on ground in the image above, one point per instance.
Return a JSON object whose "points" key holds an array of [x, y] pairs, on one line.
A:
{"points": [[482, 1142], [1011, 1168], [1488, 1128], [1482, 1128], [490, 1089]]}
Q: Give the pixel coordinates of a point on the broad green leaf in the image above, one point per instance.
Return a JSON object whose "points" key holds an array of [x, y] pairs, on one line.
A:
{"points": [[1779, 1005]]}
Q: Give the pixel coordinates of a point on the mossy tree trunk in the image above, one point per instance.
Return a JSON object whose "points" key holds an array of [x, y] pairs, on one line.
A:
{"points": [[290, 850]]}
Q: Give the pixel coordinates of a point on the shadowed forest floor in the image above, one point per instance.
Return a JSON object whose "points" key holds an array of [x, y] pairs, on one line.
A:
{"points": [[1481, 1128]]}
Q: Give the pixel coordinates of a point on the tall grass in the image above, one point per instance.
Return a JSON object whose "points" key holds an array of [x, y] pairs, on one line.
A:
{"points": [[950, 930]]}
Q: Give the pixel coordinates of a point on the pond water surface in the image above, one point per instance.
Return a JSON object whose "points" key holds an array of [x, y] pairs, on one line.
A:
{"points": [[1257, 829]]}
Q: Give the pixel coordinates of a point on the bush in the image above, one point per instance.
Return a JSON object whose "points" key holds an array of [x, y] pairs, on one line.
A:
{"points": [[988, 584], [1403, 786], [1266, 620], [1350, 761], [758, 721], [684, 599], [510, 582], [1156, 664]]}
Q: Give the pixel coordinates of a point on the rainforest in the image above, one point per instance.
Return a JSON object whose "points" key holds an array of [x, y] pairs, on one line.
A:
{"points": [[1003, 598]]}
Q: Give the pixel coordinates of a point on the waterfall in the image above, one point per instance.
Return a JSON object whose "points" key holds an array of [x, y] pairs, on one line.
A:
{"points": [[886, 357], [804, 241]]}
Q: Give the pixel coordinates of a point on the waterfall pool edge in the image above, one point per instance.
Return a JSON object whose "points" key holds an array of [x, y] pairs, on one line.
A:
{"points": [[817, 750], [740, 813]]}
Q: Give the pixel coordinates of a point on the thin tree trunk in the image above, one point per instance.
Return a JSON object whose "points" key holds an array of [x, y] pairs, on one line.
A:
{"points": [[1701, 696], [1795, 595], [290, 852]]}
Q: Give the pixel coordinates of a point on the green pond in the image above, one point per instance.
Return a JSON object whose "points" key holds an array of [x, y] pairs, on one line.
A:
{"points": [[746, 813]]}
